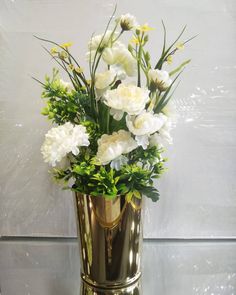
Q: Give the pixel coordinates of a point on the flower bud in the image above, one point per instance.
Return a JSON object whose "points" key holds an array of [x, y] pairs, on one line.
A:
{"points": [[159, 80], [127, 22], [146, 38]]}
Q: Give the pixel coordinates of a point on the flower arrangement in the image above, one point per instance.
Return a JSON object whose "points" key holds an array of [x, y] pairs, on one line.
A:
{"points": [[111, 128]]}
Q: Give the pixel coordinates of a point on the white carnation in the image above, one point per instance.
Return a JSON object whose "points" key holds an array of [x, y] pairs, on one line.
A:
{"points": [[145, 123], [61, 140], [127, 98], [113, 146], [67, 85], [159, 79], [127, 22]]}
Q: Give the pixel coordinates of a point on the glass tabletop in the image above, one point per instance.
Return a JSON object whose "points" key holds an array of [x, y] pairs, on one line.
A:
{"points": [[51, 267]]}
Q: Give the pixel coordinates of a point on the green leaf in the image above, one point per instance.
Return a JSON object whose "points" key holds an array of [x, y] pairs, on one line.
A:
{"points": [[179, 68], [151, 193], [137, 194]]}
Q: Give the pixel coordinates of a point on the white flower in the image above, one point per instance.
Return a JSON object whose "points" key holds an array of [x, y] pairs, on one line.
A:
{"points": [[145, 123], [127, 98], [162, 137], [61, 140], [101, 40], [119, 162], [113, 146], [67, 85], [127, 22], [119, 55], [159, 79], [104, 80], [142, 140]]}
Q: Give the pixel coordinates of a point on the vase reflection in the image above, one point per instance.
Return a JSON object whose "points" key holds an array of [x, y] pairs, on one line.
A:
{"points": [[134, 289]]}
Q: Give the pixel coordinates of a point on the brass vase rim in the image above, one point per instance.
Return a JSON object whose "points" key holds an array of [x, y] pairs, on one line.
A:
{"points": [[128, 282]]}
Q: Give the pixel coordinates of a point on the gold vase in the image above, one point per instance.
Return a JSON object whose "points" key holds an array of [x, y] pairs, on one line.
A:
{"points": [[134, 289], [110, 240]]}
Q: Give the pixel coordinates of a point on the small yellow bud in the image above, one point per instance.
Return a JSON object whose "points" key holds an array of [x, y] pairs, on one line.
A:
{"points": [[71, 67], [169, 59], [146, 38], [66, 45], [180, 46], [88, 81], [63, 55], [79, 70], [54, 50]]}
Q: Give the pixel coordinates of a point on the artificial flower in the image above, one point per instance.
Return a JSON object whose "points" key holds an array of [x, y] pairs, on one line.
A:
{"points": [[113, 146], [144, 28], [118, 162], [119, 55], [54, 50], [162, 137], [101, 41], [145, 123], [104, 79], [127, 98], [169, 59], [79, 70], [142, 140], [67, 85], [159, 79], [61, 140], [127, 22], [66, 45], [180, 45]]}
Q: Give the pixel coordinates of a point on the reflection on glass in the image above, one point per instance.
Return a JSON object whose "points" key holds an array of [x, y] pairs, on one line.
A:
{"points": [[134, 289]]}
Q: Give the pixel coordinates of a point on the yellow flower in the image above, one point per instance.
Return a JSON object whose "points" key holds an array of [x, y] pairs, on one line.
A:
{"points": [[63, 55], [66, 45], [180, 46], [145, 28], [169, 59], [136, 41], [72, 67], [54, 50], [88, 81], [79, 70]]}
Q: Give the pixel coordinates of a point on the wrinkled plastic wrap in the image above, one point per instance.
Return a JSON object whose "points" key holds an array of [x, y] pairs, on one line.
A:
{"points": [[198, 193]]}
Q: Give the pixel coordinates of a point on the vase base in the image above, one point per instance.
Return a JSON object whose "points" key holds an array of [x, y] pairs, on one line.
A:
{"points": [[111, 285]]}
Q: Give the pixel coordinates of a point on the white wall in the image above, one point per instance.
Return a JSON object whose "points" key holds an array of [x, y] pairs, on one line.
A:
{"points": [[198, 193]]}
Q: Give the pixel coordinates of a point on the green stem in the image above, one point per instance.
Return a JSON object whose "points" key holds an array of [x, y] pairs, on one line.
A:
{"points": [[108, 121]]}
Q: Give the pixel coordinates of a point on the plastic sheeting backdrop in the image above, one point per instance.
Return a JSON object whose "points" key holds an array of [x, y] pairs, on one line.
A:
{"points": [[198, 193]]}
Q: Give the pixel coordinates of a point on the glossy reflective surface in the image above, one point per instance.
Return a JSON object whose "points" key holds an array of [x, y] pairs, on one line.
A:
{"points": [[169, 268], [110, 235], [198, 192]]}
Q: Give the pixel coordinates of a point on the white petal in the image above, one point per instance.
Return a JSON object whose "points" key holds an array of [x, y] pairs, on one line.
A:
{"points": [[142, 140]]}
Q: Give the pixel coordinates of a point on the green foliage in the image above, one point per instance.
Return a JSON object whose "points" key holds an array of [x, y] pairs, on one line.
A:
{"points": [[132, 180], [62, 104], [139, 180]]}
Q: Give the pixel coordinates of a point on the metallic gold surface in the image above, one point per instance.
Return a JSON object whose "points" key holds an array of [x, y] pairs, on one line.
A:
{"points": [[134, 289], [110, 234]]}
